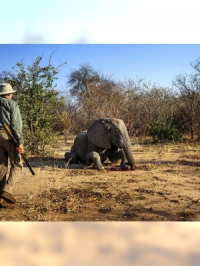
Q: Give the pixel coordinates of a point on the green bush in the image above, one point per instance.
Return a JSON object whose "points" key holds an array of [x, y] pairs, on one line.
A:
{"points": [[160, 131], [40, 104]]}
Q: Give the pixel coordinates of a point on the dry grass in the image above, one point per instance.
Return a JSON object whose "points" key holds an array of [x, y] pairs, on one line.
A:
{"points": [[165, 187]]}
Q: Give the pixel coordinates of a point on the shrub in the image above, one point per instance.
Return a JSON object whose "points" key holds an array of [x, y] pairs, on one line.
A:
{"points": [[160, 131]]}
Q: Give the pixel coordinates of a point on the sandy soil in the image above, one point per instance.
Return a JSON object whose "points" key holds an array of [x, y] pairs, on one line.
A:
{"points": [[165, 187]]}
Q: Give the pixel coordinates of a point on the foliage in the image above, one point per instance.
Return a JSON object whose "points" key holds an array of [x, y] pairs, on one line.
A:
{"points": [[188, 99], [162, 113], [160, 131], [141, 105], [95, 94], [40, 104]]}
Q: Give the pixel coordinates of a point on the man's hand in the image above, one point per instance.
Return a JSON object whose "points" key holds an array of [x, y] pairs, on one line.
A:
{"points": [[20, 149]]}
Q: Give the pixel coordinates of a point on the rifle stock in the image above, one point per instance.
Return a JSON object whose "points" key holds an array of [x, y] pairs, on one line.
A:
{"points": [[17, 145]]}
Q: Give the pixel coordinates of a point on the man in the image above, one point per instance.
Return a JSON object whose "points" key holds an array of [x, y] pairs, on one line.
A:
{"points": [[9, 115]]}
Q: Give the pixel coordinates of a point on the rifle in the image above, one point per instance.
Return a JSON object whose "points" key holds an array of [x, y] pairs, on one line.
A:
{"points": [[16, 143]]}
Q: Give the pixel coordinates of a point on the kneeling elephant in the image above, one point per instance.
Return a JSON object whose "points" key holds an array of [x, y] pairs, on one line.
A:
{"points": [[106, 138]]}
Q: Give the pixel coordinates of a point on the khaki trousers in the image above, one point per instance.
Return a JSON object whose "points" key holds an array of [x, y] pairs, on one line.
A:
{"points": [[8, 150]]}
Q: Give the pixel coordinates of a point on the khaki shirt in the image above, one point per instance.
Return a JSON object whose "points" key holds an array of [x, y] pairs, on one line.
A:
{"points": [[10, 114]]}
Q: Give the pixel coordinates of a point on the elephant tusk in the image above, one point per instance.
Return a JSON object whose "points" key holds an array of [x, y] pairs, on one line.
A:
{"points": [[67, 163]]}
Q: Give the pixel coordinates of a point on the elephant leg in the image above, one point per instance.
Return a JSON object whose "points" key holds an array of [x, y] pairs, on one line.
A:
{"points": [[103, 155], [117, 156], [95, 159], [71, 157]]}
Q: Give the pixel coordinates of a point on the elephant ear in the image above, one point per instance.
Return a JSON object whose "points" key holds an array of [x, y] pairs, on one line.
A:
{"points": [[97, 134]]}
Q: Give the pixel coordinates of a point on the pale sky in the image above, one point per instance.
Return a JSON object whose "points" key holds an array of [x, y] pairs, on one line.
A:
{"points": [[105, 21]]}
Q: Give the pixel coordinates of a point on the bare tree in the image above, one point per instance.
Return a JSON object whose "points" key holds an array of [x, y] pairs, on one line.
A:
{"points": [[188, 101], [96, 94]]}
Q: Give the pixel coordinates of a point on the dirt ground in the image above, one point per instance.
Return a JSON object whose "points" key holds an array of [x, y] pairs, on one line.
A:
{"points": [[165, 187]]}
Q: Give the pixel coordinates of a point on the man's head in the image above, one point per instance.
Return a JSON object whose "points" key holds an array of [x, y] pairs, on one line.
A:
{"points": [[6, 90]]}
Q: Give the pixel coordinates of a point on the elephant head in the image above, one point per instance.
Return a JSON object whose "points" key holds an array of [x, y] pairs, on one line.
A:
{"points": [[108, 132]]}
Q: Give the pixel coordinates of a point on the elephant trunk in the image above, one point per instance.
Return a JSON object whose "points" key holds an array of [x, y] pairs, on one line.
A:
{"points": [[128, 152]]}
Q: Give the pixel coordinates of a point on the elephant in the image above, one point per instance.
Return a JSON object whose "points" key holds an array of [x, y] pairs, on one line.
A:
{"points": [[106, 138]]}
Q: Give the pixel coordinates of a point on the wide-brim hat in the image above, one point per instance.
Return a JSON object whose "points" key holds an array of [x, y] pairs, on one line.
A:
{"points": [[6, 88]]}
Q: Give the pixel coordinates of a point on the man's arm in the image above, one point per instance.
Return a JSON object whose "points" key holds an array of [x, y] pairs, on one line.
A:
{"points": [[16, 123]]}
